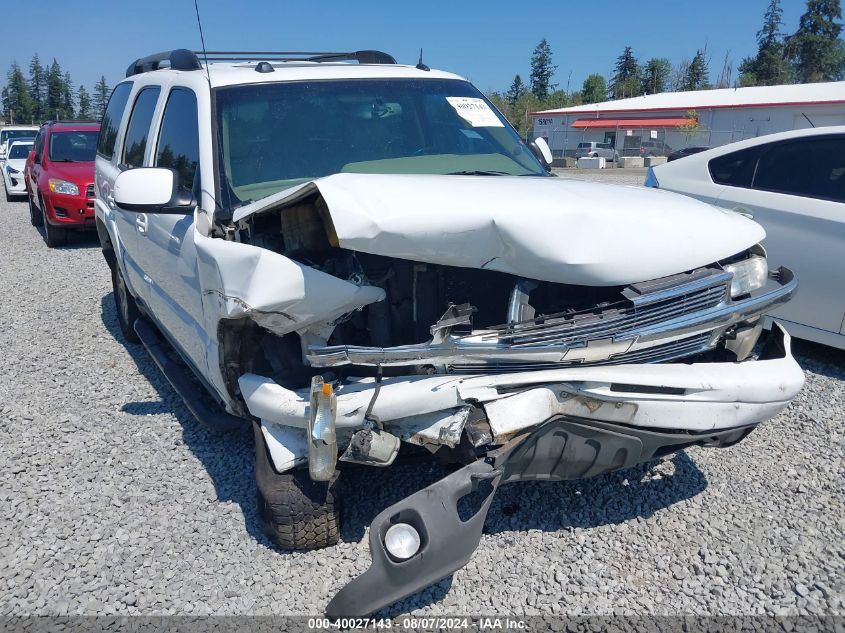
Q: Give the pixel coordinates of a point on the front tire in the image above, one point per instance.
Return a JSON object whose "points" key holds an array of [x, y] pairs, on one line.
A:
{"points": [[35, 217], [127, 308], [295, 512], [53, 235]]}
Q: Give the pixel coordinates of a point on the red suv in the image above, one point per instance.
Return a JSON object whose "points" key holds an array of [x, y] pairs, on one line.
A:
{"points": [[59, 177]]}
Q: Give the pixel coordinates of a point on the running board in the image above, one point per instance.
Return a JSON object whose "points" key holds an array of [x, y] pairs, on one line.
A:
{"points": [[182, 382]]}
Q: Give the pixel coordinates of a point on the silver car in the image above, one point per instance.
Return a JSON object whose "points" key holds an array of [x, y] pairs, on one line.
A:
{"points": [[593, 150]]}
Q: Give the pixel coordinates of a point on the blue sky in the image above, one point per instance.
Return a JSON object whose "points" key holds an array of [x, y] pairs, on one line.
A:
{"points": [[488, 42]]}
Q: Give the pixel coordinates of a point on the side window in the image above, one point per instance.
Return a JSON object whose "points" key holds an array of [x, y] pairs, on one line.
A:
{"points": [[813, 168], [135, 143], [111, 120], [178, 140], [735, 169], [39, 145]]}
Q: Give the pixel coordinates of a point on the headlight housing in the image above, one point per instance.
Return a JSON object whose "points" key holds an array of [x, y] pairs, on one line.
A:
{"points": [[63, 186], [11, 170], [748, 275]]}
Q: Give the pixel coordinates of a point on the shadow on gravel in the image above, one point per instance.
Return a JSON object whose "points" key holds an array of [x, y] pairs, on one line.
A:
{"points": [[547, 506], [229, 459], [76, 239], [827, 361]]}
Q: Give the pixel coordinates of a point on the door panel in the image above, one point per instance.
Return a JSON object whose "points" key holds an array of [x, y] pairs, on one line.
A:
{"points": [[169, 257]]}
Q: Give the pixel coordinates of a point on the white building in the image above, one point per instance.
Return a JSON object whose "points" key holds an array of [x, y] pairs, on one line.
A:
{"points": [[666, 121]]}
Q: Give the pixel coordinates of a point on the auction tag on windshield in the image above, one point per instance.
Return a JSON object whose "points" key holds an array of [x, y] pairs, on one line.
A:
{"points": [[475, 111]]}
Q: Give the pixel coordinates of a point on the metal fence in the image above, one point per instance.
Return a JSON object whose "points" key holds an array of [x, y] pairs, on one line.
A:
{"points": [[644, 141]]}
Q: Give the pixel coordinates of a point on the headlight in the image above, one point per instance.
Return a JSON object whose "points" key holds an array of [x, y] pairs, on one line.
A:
{"points": [[749, 274], [63, 186], [11, 170]]}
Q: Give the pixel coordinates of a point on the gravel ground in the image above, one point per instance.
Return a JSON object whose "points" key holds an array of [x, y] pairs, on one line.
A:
{"points": [[115, 500]]}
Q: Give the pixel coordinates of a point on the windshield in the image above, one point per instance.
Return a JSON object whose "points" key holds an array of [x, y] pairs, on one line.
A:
{"points": [[274, 136], [73, 147], [5, 135], [19, 150]]}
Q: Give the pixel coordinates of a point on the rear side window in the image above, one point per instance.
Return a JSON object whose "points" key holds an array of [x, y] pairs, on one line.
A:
{"points": [[111, 120], [813, 168], [135, 143], [178, 141], [39, 145], [584, 145], [735, 169]]}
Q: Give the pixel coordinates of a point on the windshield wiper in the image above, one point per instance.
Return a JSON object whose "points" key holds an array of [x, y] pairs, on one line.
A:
{"points": [[478, 172]]}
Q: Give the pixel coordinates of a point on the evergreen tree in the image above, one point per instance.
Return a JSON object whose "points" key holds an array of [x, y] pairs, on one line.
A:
{"points": [[769, 67], [626, 80], [84, 101], [655, 75], [38, 89], [516, 90], [815, 47], [100, 98], [67, 110], [696, 75], [17, 104], [55, 81], [594, 89], [542, 70]]}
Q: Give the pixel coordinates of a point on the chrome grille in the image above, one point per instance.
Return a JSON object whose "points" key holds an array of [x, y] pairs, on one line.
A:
{"points": [[614, 321], [658, 354], [89, 191]]}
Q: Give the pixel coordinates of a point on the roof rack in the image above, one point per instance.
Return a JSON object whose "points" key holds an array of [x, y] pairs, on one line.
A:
{"points": [[362, 57], [178, 59]]}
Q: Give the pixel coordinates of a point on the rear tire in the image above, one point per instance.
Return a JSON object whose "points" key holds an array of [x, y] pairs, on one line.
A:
{"points": [[35, 217], [295, 512], [127, 308]]}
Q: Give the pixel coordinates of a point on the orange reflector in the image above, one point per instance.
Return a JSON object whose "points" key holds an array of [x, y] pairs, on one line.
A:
{"points": [[327, 389]]}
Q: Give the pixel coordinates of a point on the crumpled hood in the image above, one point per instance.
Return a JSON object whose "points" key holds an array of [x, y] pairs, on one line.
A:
{"points": [[550, 229]]}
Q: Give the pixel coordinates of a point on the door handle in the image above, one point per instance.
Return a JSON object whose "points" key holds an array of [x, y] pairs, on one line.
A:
{"points": [[141, 223]]}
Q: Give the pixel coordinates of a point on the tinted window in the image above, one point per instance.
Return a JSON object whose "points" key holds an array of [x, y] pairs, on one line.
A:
{"points": [[178, 140], [39, 145], [735, 169], [111, 119], [135, 143], [584, 145], [73, 147], [813, 168], [20, 150]]}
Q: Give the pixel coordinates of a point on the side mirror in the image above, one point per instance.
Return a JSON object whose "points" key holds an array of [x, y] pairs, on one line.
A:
{"points": [[542, 152], [151, 190]]}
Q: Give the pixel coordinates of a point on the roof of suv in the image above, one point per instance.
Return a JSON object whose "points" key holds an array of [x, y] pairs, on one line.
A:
{"points": [[227, 69], [227, 74], [72, 126]]}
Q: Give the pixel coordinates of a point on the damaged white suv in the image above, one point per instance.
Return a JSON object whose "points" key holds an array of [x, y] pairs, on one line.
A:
{"points": [[349, 254]]}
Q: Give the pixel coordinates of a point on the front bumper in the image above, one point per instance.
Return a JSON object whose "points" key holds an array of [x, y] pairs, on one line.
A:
{"points": [[15, 183], [598, 436], [70, 211], [433, 410]]}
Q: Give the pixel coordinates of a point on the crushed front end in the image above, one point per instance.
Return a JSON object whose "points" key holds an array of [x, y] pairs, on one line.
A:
{"points": [[347, 327]]}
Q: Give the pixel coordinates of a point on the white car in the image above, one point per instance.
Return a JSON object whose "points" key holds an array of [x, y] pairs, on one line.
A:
{"points": [[12, 133], [13, 170], [353, 257], [792, 183]]}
